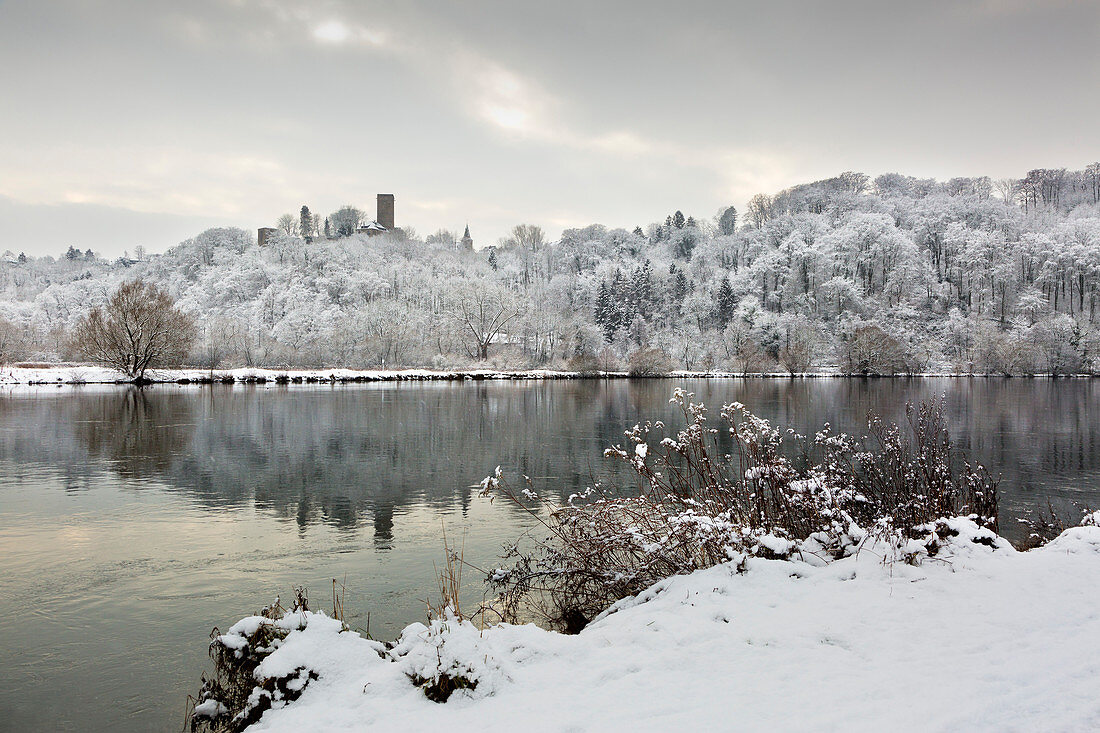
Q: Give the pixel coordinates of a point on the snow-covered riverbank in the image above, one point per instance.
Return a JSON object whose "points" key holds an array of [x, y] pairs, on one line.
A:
{"points": [[77, 374], [83, 374], [979, 637]]}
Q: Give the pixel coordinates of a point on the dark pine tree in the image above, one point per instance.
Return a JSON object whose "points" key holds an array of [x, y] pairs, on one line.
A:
{"points": [[305, 226], [680, 287], [642, 291], [602, 312], [620, 300], [603, 301], [724, 303], [678, 219]]}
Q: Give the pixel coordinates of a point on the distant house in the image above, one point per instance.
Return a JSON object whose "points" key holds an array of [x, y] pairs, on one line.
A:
{"points": [[371, 229], [504, 339]]}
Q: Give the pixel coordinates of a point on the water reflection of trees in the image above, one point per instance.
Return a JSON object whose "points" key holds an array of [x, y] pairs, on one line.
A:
{"points": [[139, 435], [78, 434], [320, 455], [339, 455]]}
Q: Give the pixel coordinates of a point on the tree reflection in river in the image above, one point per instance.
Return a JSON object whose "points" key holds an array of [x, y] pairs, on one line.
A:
{"points": [[339, 454], [136, 433]]}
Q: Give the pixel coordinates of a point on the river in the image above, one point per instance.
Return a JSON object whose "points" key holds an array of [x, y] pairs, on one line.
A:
{"points": [[132, 522]]}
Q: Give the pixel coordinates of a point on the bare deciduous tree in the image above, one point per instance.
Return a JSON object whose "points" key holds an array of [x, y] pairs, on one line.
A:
{"points": [[11, 341], [797, 353], [289, 224], [481, 314], [870, 350], [1008, 188], [139, 327], [760, 209], [530, 242]]}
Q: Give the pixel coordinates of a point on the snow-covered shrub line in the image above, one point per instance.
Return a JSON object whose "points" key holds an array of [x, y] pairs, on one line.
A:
{"points": [[705, 495]]}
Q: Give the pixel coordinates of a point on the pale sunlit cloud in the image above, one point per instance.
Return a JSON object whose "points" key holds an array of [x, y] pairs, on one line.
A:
{"points": [[523, 110], [337, 32], [503, 98], [331, 31]]}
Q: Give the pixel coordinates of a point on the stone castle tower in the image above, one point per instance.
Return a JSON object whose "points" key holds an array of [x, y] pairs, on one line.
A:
{"points": [[263, 234], [385, 211], [467, 240]]}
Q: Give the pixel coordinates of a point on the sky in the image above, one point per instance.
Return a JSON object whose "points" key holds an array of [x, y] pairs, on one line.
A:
{"points": [[145, 122]]}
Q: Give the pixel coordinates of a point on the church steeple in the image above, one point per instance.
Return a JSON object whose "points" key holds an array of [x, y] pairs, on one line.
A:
{"points": [[467, 240]]}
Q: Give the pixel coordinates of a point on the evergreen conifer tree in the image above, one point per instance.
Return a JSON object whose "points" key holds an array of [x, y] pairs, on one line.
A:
{"points": [[724, 303], [680, 287], [609, 307], [306, 224], [642, 287]]}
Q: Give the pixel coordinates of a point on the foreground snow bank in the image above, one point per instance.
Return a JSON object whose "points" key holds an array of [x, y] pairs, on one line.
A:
{"points": [[977, 636]]}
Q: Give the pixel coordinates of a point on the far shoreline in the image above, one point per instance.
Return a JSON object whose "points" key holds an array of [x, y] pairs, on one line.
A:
{"points": [[77, 375]]}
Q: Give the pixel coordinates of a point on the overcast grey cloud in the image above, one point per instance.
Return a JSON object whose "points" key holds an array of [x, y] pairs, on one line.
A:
{"points": [[154, 115]]}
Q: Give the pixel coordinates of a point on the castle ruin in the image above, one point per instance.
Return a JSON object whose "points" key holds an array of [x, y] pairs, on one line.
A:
{"points": [[385, 221]]}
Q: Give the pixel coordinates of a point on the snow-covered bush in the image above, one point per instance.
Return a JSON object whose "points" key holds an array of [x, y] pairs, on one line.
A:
{"points": [[703, 496], [239, 692], [649, 363]]}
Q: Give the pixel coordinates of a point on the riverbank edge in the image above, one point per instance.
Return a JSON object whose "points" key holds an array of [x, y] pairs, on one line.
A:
{"points": [[76, 374], [679, 631]]}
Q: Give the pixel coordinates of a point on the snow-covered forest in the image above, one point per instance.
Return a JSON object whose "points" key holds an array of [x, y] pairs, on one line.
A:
{"points": [[885, 275]]}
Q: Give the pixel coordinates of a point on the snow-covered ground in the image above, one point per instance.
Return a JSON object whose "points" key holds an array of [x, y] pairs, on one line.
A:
{"points": [[87, 374], [979, 637], [76, 374]]}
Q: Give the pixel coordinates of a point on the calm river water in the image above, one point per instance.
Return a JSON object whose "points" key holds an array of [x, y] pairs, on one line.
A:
{"points": [[133, 522]]}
